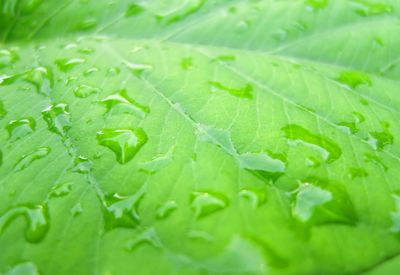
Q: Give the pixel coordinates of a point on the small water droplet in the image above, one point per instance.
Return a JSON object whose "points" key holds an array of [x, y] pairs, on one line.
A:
{"points": [[58, 118], [187, 63], [61, 190], [133, 10], [351, 127], [138, 69], [357, 172], [224, 58], [376, 160], [66, 64], [7, 58], [180, 14], [122, 211], [84, 91], [242, 26], [36, 218], [82, 165], [76, 209], [86, 50], [121, 103], [329, 150], [206, 203], [279, 35], [149, 236], [3, 111], [19, 128], [91, 71], [378, 140], [353, 79], [157, 163], [86, 24], [166, 209], [395, 215], [255, 197], [244, 92], [113, 71], [314, 5], [26, 160]]}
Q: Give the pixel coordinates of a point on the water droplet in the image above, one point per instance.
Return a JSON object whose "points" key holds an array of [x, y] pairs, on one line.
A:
{"points": [[378, 140], [377, 43], [255, 197], [376, 160], [19, 128], [149, 236], [166, 209], [84, 91], [76, 209], [244, 92], [26, 268], [36, 218], [327, 148], [320, 202], [3, 111], [58, 118], [41, 78], [125, 143], [7, 58], [351, 127], [200, 235], [157, 163], [26, 160], [206, 203], [357, 172], [113, 71], [122, 211], [91, 71], [224, 58], [353, 79], [187, 63], [86, 24], [82, 165], [61, 190], [242, 26], [316, 4], [86, 50], [365, 8], [8, 79], [66, 65], [121, 103], [133, 10], [280, 35], [138, 69], [262, 164], [186, 10], [395, 215]]}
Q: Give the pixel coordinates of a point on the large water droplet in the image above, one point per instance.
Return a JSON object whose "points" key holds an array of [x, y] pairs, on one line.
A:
{"points": [[244, 92], [320, 202], [84, 91], [125, 143], [166, 209], [26, 160], [36, 218], [378, 140], [327, 148], [19, 128], [353, 79], [41, 78], [58, 118], [121, 211], [66, 65], [121, 103], [206, 203], [7, 58]]}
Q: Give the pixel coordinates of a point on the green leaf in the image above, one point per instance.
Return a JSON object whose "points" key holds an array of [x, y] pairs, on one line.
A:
{"points": [[199, 137]]}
